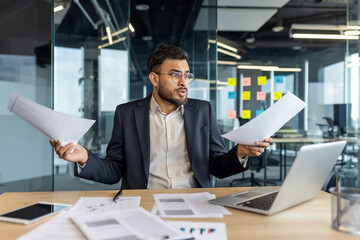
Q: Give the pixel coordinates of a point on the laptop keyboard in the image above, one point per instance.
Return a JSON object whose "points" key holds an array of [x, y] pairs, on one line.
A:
{"points": [[262, 203]]}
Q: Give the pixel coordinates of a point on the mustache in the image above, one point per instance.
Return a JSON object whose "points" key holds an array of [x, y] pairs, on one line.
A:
{"points": [[182, 88]]}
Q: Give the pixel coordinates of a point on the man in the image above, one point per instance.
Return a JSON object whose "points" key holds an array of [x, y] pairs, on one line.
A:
{"points": [[164, 140]]}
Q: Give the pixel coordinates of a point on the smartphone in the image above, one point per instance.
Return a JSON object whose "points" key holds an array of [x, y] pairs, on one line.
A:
{"points": [[33, 213]]}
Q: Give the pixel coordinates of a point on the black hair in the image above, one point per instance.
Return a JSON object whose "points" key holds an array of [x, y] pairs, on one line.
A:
{"points": [[163, 52]]}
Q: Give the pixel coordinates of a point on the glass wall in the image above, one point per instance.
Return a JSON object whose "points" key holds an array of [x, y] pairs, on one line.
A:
{"points": [[91, 77], [267, 61], [25, 67]]}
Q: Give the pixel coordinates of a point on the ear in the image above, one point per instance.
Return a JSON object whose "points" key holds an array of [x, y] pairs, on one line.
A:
{"points": [[154, 79]]}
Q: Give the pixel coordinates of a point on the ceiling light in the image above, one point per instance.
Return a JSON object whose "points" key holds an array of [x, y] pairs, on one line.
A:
{"points": [[229, 53], [250, 40], [58, 8], [288, 70], [219, 62], [115, 33], [142, 7], [108, 44], [324, 36], [132, 29], [108, 33], [262, 68], [278, 24], [269, 68], [223, 45], [278, 28], [147, 38], [353, 27], [352, 32]]}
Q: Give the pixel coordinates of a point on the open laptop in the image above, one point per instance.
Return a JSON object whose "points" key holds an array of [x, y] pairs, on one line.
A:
{"points": [[308, 173]]}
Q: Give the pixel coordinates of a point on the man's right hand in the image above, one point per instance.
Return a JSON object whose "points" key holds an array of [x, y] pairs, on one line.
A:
{"points": [[79, 155]]}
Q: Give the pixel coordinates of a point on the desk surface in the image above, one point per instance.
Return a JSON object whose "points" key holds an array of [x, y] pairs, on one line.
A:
{"points": [[310, 220]]}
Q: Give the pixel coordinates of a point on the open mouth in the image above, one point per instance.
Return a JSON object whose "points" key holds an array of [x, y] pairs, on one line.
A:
{"points": [[182, 92]]}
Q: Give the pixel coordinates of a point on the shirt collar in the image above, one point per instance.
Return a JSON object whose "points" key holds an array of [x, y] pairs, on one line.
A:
{"points": [[155, 106]]}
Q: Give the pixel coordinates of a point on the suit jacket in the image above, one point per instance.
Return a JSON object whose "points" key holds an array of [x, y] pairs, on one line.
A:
{"points": [[128, 152]]}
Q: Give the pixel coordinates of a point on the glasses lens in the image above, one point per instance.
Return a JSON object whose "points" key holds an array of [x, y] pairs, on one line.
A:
{"points": [[176, 76], [191, 77]]}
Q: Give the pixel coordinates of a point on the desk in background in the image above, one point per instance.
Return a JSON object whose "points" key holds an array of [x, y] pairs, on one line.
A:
{"points": [[299, 140], [310, 220]]}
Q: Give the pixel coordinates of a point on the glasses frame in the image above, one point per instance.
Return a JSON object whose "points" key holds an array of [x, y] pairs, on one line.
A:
{"points": [[189, 81]]}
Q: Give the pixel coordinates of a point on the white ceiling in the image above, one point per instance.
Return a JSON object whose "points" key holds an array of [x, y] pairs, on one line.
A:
{"points": [[241, 15]]}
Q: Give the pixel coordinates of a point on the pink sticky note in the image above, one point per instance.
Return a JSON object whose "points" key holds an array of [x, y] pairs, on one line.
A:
{"points": [[232, 114], [247, 81], [260, 96]]}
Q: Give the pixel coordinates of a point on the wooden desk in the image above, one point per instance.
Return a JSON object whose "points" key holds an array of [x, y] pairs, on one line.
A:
{"points": [[310, 220]]}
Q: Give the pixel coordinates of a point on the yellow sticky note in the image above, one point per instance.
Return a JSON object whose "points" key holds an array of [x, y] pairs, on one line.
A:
{"points": [[232, 114], [232, 81], [246, 114], [246, 95], [261, 80], [277, 95]]}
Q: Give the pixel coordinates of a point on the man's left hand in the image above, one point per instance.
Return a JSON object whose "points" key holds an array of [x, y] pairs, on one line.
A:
{"points": [[253, 150]]}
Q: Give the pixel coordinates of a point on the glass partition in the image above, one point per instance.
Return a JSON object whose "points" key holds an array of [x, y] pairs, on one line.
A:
{"points": [[25, 67], [91, 76]]}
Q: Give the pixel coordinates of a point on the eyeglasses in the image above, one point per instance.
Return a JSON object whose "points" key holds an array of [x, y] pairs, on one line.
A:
{"points": [[177, 77]]}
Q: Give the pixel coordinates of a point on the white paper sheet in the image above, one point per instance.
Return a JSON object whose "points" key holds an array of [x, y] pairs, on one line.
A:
{"points": [[133, 223], [58, 228], [187, 205], [202, 230], [103, 204], [268, 122], [53, 124]]}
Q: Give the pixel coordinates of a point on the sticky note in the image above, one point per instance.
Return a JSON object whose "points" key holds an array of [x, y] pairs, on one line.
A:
{"points": [[277, 95], [261, 80], [260, 96], [246, 81], [232, 81], [258, 112], [232, 114], [246, 95], [246, 114], [231, 95], [279, 79]]}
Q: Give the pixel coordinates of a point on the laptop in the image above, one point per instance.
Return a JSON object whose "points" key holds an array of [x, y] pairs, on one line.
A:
{"points": [[308, 173]]}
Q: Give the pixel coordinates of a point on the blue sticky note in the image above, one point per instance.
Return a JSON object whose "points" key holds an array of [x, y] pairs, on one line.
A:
{"points": [[279, 79], [258, 112], [231, 95]]}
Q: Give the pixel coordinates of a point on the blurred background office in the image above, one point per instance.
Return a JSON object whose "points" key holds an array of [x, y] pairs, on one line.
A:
{"points": [[84, 57]]}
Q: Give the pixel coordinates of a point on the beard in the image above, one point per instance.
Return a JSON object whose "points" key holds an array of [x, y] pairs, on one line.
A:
{"points": [[167, 95]]}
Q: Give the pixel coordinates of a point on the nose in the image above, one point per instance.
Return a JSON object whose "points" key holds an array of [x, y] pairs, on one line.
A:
{"points": [[183, 81]]}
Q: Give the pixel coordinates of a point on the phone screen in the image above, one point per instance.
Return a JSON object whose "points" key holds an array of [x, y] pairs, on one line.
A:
{"points": [[34, 211]]}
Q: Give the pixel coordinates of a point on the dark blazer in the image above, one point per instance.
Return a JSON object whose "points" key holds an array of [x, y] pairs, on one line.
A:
{"points": [[128, 152]]}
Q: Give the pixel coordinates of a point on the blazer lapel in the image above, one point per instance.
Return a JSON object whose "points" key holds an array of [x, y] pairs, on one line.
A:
{"points": [[189, 120], [142, 122]]}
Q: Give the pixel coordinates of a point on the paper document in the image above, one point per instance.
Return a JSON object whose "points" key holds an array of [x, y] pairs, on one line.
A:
{"points": [[133, 223], [56, 125], [268, 122], [202, 230], [103, 204], [187, 205], [58, 228]]}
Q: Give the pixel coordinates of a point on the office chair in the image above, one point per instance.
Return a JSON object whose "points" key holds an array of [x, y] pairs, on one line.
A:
{"points": [[255, 165]]}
